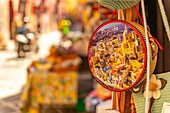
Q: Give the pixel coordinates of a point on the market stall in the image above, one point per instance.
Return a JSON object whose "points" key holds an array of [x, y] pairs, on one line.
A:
{"points": [[51, 81], [49, 88]]}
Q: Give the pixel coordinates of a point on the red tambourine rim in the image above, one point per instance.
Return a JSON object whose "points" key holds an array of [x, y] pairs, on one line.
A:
{"points": [[144, 47]]}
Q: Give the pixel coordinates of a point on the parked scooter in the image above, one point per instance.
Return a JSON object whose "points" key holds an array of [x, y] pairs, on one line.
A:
{"points": [[26, 43]]}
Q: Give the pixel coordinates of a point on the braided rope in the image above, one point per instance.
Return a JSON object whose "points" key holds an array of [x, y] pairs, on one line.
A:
{"points": [[164, 17], [148, 55]]}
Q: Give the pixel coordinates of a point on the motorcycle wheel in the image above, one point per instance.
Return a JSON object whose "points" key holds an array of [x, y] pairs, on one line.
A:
{"points": [[21, 52]]}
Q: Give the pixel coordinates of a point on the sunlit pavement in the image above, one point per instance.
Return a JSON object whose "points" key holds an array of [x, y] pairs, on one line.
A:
{"points": [[12, 79], [13, 72]]}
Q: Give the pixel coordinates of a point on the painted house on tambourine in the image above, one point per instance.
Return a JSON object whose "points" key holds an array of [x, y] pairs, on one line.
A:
{"points": [[127, 45]]}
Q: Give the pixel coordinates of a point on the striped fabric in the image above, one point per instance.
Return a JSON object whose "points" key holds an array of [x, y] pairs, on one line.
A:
{"points": [[157, 104], [118, 4]]}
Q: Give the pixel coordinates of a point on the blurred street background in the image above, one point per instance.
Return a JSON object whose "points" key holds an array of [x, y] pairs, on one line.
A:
{"points": [[13, 72], [37, 39]]}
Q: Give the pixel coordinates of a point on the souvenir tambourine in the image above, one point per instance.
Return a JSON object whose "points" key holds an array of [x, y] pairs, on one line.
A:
{"points": [[117, 55], [118, 4]]}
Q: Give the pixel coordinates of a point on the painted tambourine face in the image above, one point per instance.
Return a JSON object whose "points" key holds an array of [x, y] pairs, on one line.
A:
{"points": [[117, 55]]}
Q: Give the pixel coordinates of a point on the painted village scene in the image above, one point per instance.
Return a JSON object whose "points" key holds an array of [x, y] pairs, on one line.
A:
{"points": [[116, 56]]}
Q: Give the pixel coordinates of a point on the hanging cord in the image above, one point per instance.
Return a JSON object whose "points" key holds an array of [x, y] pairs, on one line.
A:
{"points": [[113, 14], [139, 15], [118, 14], [164, 17], [148, 56], [159, 45], [123, 15]]}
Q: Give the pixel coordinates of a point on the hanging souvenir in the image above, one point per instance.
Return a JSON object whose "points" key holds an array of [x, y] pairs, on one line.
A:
{"points": [[117, 55], [122, 54]]}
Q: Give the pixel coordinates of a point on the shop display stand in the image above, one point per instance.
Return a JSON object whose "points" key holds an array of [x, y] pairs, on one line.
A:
{"points": [[116, 96], [110, 75]]}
